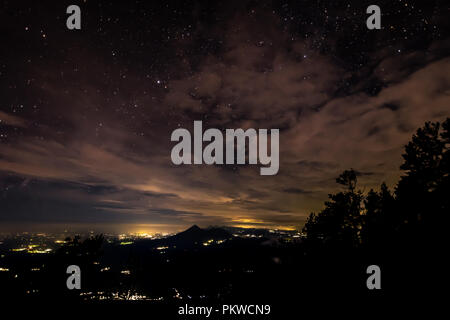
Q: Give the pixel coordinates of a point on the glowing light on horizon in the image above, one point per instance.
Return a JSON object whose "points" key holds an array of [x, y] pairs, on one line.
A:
{"points": [[125, 243]]}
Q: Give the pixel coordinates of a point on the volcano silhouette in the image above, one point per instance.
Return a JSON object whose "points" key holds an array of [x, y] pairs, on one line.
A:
{"points": [[194, 236]]}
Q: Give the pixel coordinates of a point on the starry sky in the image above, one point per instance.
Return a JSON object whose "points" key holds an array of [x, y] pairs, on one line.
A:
{"points": [[86, 115]]}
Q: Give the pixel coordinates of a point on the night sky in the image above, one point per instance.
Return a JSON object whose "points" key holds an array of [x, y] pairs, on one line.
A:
{"points": [[86, 115]]}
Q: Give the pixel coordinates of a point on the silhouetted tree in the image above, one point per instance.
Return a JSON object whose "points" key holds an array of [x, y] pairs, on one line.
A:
{"points": [[348, 179], [378, 226], [339, 223], [423, 193], [415, 211]]}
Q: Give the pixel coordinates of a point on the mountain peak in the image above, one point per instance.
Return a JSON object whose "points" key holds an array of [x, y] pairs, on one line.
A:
{"points": [[192, 237], [194, 228]]}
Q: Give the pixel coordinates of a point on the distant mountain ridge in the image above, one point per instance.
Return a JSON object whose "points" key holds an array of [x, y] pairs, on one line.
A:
{"points": [[192, 237]]}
